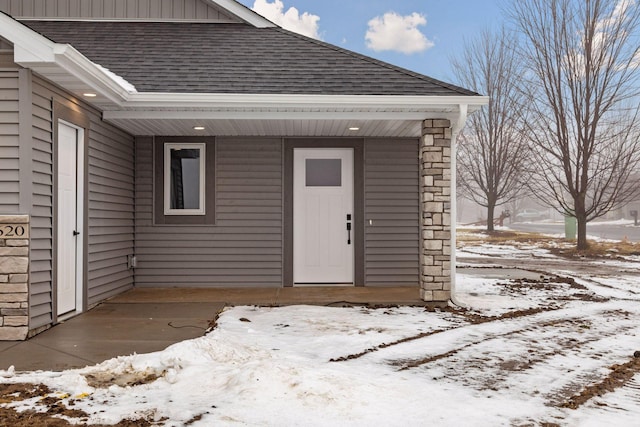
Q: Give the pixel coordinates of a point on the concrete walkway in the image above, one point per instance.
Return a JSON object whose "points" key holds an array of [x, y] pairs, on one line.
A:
{"points": [[147, 320]]}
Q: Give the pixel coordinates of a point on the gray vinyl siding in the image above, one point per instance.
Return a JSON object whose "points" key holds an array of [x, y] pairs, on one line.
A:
{"points": [[9, 142], [110, 206], [111, 211], [41, 211], [115, 9], [243, 248], [392, 245]]}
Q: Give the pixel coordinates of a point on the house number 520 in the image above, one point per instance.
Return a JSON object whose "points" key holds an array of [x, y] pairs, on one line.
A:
{"points": [[12, 231]]}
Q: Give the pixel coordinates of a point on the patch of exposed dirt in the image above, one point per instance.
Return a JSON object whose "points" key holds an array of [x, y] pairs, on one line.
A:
{"points": [[560, 247], [11, 418], [194, 419], [106, 379], [469, 237], [22, 391], [476, 318], [550, 284], [618, 377], [597, 250], [214, 322], [54, 406]]}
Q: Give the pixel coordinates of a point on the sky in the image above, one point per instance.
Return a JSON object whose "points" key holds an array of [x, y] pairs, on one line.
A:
{"points": [[420, 35]]}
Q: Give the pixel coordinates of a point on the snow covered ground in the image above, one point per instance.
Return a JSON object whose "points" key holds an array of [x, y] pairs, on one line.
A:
{"points": [[524, 352]]}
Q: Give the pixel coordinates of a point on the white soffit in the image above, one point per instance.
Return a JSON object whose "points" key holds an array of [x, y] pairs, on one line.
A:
{"points": [[275, 128], [286, 115]]}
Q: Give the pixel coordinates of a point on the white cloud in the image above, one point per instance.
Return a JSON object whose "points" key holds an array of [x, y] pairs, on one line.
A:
{"points": [[305, 23], [397, 33]]}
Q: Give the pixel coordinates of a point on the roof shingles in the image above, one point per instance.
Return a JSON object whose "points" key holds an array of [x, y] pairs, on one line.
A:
{"points": [[234, 58]]}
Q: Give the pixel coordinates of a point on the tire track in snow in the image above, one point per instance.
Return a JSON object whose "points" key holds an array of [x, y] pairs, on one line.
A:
{"points": [[532, 334], [550, 360], [475, 319], [625, 398], [620, 376], [456, 339]]}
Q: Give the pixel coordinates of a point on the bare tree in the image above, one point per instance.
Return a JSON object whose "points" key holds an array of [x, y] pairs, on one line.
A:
{"points": [[491, 148], [582, 78]]}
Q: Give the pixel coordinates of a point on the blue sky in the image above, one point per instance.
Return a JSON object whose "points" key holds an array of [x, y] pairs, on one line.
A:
{"points": [[398, 25]]}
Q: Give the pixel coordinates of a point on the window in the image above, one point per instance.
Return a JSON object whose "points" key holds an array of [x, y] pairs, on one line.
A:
{"points": [[323, 172], [184, 179]]}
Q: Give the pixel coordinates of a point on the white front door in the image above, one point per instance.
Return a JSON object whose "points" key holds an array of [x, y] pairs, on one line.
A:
{"points": [[323, 230], [69, 219]]}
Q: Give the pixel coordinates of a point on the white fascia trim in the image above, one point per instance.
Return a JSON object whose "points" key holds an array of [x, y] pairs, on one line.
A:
{"points": [[32, 50], [28, 45], [283, 101], [67, 57], [244, 13], [272, 115]]}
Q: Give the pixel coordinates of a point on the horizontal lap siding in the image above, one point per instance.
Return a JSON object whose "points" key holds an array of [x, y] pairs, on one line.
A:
{"points": [[115, 9], [392, 205], [110, 206], [111, 211], [243, 248], [9, 142], [41, 302]]}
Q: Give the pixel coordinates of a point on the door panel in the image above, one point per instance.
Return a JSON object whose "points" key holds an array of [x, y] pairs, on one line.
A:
{"points": [[323, 200], [67, 219]]}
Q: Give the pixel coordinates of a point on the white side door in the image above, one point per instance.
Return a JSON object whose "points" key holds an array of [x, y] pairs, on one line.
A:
{"points": [[323, 216], [69, 219]]}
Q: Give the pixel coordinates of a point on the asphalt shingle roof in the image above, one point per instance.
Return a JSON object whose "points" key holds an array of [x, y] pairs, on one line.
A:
{"points": [[234, 58]]}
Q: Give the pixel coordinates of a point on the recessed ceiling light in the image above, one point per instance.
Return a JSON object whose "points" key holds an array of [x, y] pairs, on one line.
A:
{"points": [[90, 94], [198, 128], [354, 128]]}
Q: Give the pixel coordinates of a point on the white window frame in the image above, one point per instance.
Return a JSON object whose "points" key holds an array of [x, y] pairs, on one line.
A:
{"points": [[167, 178]]}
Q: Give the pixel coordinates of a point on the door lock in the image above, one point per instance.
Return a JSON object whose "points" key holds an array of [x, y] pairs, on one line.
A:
{"points": [[76, 232], [348, 229]]}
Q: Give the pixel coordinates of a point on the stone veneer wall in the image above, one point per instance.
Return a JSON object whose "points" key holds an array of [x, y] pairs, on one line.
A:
{"points": [[435, 209], [14, 277]]}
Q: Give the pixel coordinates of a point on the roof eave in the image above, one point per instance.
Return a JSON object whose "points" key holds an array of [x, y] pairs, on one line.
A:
{"points": [[244, 13], [249, 106], [61, 63], [64, 65]]}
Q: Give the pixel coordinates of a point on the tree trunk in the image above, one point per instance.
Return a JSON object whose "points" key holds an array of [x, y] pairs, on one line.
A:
{"points": [[491, 207], [581, 219]]}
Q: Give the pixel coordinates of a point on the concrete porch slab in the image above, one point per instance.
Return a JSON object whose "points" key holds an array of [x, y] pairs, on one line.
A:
{"points": [[313, 295], [110, 330]]}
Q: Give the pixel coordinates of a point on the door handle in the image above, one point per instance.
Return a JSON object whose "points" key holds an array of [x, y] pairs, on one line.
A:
{"points": [[348, 229]]}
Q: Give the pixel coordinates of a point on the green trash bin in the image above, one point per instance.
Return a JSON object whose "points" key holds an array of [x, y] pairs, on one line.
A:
{"points": [[570, 227]]}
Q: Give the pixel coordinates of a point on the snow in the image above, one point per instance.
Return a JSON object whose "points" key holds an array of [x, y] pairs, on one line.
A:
{"points": [[621, 221], [267, 366], [117, 79]]}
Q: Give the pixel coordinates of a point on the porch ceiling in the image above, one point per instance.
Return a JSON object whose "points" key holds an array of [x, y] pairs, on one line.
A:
{"points": [[283, 115], [275, 127]]}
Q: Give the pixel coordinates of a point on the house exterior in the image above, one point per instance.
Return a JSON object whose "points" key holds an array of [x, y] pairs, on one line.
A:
{"points": [[193, 143]]}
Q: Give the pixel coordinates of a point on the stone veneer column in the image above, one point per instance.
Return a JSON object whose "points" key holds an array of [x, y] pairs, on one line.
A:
{"points": [[435, 194], [14, 277]]}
